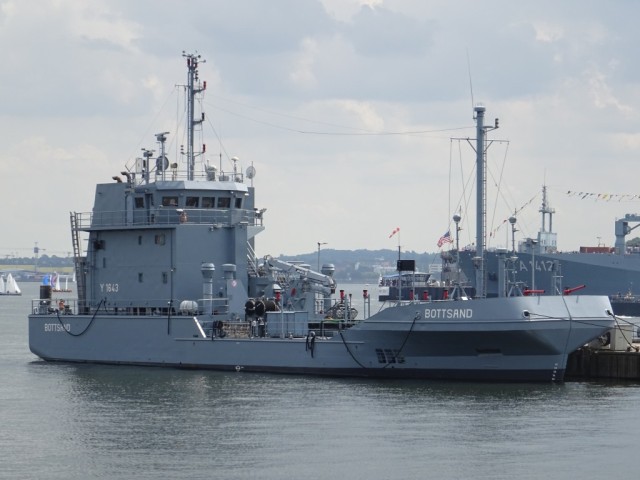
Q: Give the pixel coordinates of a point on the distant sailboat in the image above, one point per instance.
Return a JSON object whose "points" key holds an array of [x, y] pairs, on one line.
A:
{"points": [[10, 287], [55, 281]]}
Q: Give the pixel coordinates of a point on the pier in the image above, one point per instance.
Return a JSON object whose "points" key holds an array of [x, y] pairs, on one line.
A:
{"points": [[618, 359], [588, 364]]}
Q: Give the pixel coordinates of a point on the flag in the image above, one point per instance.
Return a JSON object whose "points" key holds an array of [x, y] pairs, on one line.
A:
{"points": [[395, 230], [446, 238]]}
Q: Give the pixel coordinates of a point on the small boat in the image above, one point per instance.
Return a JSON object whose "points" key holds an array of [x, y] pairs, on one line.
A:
{"points": [[9, 286], [400, 286], [409, 286], [171, 278], [55, 281]]}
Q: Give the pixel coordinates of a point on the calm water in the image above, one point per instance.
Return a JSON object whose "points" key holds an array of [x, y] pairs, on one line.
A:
{"points": [[62, 421]]}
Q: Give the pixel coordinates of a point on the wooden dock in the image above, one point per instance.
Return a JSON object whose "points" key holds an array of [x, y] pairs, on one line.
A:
{"points": [[588, 363], [614, 356]]}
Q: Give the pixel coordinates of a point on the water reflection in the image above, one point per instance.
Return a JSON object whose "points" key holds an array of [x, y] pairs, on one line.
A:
{"points": [[244, 423]]}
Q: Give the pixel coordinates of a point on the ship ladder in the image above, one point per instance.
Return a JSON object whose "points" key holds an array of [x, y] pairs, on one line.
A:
{"points": [[252, 261], [77, 258]]}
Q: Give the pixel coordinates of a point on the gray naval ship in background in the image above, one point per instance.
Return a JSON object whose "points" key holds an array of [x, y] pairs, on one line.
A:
{"points": [[596, 270], [170, 277]]}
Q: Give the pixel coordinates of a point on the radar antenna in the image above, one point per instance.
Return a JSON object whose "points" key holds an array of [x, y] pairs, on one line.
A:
{"points": [[251, 173]]}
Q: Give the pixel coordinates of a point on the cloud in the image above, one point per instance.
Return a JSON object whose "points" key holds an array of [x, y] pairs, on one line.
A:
{"points": [[302, 74], [99, 25], [377, 31], [601, 92], [296, 87], [548, 33]]}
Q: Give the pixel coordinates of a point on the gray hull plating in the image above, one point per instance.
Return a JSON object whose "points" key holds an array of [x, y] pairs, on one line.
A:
{"points": [[493, 339], [601, 273]]}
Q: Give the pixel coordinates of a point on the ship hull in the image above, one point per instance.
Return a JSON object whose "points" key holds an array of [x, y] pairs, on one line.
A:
{"points": [[600, 273], [487, 340]]}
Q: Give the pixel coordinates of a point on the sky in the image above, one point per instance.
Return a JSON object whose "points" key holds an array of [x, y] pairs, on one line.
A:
{"points": [[354, 113]]}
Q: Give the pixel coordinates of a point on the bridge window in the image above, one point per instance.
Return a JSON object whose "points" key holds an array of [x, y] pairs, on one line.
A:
{"points": [[208, 202], [224, 202], [239, 202], [139, 202], [169, 201], [192, 202]]}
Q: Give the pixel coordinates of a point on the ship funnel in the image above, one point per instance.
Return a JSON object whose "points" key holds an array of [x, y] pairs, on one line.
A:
{"points": [[229, 271], [207, 270]]}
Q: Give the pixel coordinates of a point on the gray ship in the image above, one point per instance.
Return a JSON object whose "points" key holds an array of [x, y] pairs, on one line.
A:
{"points": [[170, 278], [595, 270]]}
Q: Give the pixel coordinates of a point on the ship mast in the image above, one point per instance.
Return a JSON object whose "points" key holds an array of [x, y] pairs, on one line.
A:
{"points": [[547, 240], [192, 90], [481, 198], [545, 210]]}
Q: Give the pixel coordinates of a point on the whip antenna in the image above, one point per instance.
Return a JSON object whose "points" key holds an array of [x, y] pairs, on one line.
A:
{"points": [[470, 82]]}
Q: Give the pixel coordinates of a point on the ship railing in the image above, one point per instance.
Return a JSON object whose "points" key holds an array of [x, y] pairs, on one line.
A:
{"points": [[237, 329], [166, 216], [213, 306], [162, 307], [139, 307], [174, 174], [62, 306]]}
